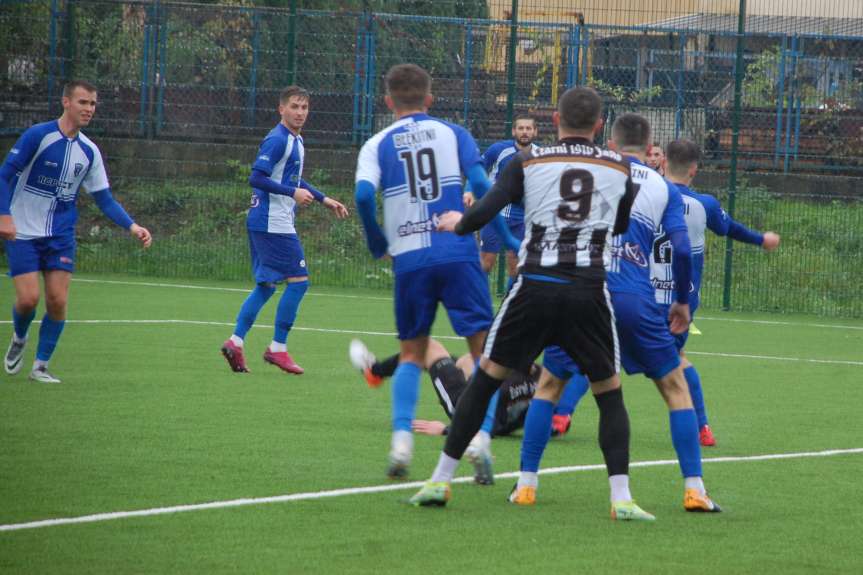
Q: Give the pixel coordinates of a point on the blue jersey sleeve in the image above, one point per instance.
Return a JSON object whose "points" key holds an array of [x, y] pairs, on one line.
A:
{"points": [[271, 151], [672, 218], [468, 151], [717, 219], [491, 154], [24, 149]]}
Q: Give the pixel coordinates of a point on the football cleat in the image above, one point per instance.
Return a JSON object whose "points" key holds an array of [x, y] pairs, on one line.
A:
{"points": [[629, 511], [431, 494], [401, 453], [705, 437], [524, 495], [479, 456], [234, 354], [698, 502], [283, 361], [397, 471], [42, 375], [362, 359], [14, 356], [560, 424]]}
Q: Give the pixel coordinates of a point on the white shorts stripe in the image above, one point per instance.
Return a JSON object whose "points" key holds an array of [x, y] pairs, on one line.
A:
{"points": [[489, 341]]}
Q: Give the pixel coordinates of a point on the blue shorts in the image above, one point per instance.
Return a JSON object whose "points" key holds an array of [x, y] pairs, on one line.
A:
{"points": [[51, 253], [646, 345], [276, 257], [679, 338], [462, 287], [559, 364], [490, 242]]}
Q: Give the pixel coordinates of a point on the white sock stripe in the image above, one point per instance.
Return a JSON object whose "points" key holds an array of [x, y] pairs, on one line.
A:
{"points": [[99, 517], [443, 394]]}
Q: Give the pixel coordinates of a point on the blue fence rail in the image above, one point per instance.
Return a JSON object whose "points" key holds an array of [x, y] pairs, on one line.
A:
{"points": [[204, 72]]}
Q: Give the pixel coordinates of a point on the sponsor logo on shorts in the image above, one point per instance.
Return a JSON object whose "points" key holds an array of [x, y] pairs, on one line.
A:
{"points": [[264, 158], [66, 260], [302, 263], [50, 164], [14, 151], [255, 201], [409, 228]]}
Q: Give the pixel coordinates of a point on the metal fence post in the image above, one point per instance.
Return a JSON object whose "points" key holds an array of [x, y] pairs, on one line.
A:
{"points": [[161, 80], [507, 126], [292, 41], [678, 111], [251, 102], [780, 101], [52, 56], [792, 95], [735, 144], [468, 60], [145, 72], [358, 67], [369, 124]]}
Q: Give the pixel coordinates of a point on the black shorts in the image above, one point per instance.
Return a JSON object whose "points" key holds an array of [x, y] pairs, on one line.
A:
{"points": [[537, 314]]}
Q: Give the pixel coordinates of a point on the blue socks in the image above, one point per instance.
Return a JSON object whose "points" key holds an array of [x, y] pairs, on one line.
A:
{"points": [[287, 310], [572, 394], [22, 323], [684, 436], [49, 333], [405, 393], [693, 380], [537, 431], [488, 422], [253, 304]]}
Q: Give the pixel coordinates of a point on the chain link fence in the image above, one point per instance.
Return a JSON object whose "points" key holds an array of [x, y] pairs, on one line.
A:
{"points": [[187, 91]]}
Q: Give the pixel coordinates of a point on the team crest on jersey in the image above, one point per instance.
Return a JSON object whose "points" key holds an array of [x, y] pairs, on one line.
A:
{"points": [[632, 253], [78, 168]]}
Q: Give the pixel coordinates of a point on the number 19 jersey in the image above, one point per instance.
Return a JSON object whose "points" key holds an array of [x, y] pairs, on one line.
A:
{"points": [[417, 163]]}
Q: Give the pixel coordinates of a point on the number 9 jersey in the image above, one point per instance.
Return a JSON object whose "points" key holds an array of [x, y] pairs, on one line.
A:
{"points": [[576, 195], [417, 163]]}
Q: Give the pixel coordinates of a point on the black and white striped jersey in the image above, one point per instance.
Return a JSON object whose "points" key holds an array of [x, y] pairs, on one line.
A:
{"points": [[575, 194]]}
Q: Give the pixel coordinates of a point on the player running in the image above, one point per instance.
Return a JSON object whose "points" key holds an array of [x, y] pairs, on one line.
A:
{"points": [[701, 212], [417, 163], [278, 188], [39, 184]]}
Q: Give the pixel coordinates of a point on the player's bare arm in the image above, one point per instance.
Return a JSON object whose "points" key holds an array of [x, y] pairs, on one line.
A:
{"points": [[142, 234], [771, 241], [338, 208], [7, 227]]}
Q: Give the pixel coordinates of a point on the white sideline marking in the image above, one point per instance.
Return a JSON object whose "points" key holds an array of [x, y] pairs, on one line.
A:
{"points": [[217, 288], [99, 517], [375, 298], [393, 334], [776, 322]]}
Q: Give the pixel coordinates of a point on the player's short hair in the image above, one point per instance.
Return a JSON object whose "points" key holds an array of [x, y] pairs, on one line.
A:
{"points": [[69, 88], [579, 108], [658, 146], [408, 85], [681, 154], [293, 91], [631, 131], [523, 117]]}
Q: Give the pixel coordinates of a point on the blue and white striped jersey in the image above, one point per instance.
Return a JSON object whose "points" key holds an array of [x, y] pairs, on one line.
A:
{"points": [[701, 212], [658, 207], [281, 157], [417, 163], [50, 169]]}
